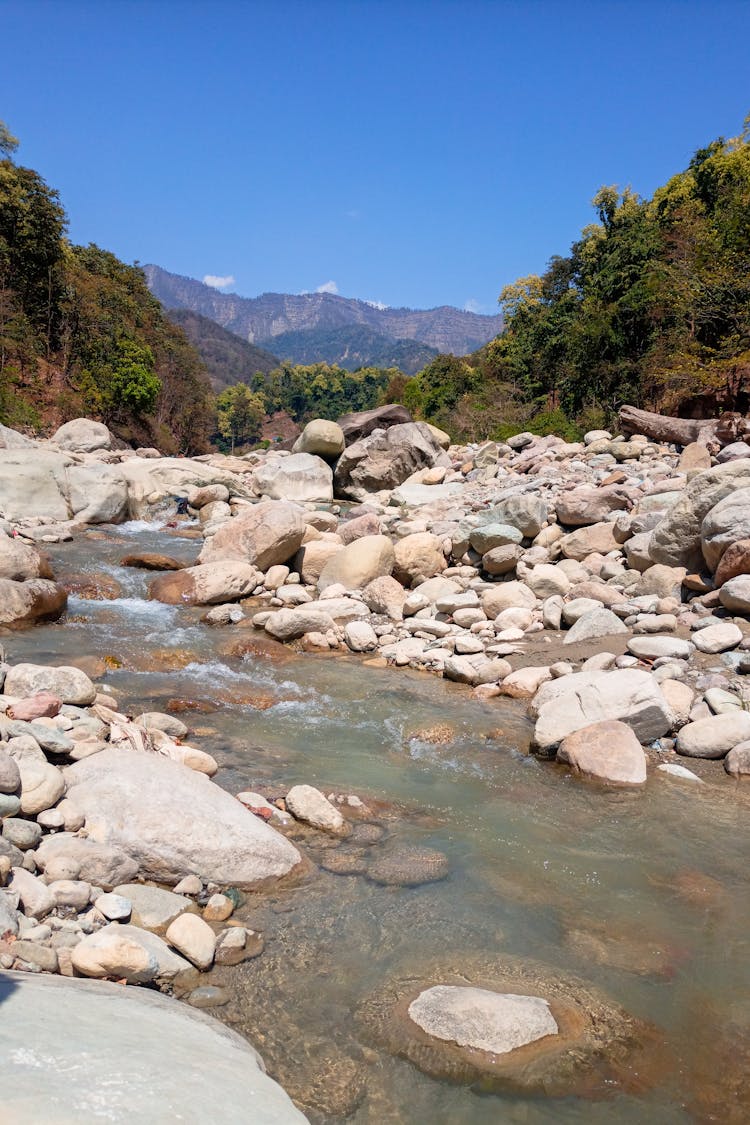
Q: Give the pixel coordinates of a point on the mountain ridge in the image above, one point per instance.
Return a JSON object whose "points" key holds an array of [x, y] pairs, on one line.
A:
{"points": [[259, 319]]}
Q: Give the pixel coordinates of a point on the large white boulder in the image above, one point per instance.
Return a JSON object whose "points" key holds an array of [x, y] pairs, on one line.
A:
{"points": [[266, 535], [82, 435], [97, 493], [359, 563], [565, 705], [676, 540], [33, 482], [72, 1050], [301, 478], [174, 821], [323, 438]]}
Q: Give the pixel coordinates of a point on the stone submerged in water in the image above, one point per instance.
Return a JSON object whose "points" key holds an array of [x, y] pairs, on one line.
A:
{"points": [[409, 867], [483, 1020]]}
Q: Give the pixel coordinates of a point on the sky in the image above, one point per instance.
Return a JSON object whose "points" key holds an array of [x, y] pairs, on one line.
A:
{"points": [[416, 153]]}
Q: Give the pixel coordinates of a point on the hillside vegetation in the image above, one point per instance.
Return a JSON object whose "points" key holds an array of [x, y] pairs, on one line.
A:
{"points": [[351, 347], [80, 333], [651, 306], [227, 358]]}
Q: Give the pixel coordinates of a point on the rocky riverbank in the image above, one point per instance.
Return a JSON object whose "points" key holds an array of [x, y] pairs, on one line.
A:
{"points": [[600, 584]]}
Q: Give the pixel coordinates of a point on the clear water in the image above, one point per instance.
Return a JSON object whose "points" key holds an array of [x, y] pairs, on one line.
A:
{"points": [[537, 859]]}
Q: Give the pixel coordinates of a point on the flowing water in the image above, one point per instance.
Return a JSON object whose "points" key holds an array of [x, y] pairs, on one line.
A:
{"points": [[641, 894]]}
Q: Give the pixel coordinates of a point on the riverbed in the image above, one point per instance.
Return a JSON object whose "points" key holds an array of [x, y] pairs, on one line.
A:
{"points": [[640, 894]]}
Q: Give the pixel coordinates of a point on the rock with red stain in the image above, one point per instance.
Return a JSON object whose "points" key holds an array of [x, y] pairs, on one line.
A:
{"points": [[43, 705]]}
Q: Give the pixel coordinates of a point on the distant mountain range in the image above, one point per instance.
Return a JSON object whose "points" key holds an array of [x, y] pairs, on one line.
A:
{"points": [[321, 327]]}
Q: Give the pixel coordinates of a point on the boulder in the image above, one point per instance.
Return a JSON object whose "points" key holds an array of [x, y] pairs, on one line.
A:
{"points": [[546, 580], [717, 638], [736, 763], [355, 566], [734, 561], [210, 494], [33, 894], [301, 478], [290, 624], [26, 603], [727, 522], [677, 538], [97, 493], [42, 784], [98, 1040], [70, 685], [10, 775], [482, 1020], [608, 751], [360, 636], [488, 536], [598, 538], [313, 556], [501, 560], [349, 530], [100, 864], [385, 595], [527, 512], [582, 506], [152, 907], [174, 821], [323, 438], [12, 439], [735, 594], [714, 736], [308, 804], [356, 426], [20, 561], [33, 482], [571, 702], [385, 459], [210, 584], [656, 646], [154, 484], [418, 557], [42, 705], [194, 938], [594, 624], [83, 435], [507, 595], [265, 535]]}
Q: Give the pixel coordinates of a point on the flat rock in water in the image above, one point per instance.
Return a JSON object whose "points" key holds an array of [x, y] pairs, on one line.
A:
{"points": [[487, 1021], [174, 822], [409, 867], [73, 1050]]}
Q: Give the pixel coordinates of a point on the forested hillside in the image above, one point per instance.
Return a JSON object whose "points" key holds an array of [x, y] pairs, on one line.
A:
{"points": [[80, 333], [352, 346], [227, 358], [651, 306]]}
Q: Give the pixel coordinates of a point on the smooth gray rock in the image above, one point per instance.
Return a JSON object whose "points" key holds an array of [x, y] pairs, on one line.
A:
{"points": [[594, 624], [302, 477], [715, 736], [153, 907], [488, 1021], [71, 685], [676, 541], [75, 1050]]}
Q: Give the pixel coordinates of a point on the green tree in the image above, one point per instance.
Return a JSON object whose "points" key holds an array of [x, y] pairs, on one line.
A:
{"points": [[8, 143], [240, 414]]}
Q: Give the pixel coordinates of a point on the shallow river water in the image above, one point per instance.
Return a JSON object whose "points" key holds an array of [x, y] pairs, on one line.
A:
{"points": [[640, 894]]}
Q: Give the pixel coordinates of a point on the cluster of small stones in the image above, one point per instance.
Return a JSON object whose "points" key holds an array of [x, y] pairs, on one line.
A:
{"points": [[70, 904], [632, 555]]}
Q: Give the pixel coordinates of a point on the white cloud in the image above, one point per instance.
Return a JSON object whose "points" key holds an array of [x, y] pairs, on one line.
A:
{"points": [[376, 305], [218, 282], [328, 287], [473, 306]]}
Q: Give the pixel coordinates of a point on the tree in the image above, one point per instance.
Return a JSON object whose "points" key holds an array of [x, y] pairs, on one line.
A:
{"points": [[240, 414], [8, 143]]}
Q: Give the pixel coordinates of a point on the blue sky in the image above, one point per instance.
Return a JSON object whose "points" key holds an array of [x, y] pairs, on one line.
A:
{"points": [[415, 153]]}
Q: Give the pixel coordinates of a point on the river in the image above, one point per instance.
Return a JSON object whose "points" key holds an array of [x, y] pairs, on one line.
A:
{"points": [[641, 894]]}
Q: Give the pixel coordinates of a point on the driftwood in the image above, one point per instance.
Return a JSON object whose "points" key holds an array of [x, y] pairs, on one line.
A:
{"points": [[720, 431]]}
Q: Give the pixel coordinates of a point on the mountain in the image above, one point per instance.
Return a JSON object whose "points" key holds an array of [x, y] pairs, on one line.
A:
{"points": [[259, 320], [227, 358], [352, 347]]}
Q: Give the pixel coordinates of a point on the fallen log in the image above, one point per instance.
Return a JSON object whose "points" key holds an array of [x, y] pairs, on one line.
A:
{"points": [[719, 431]]}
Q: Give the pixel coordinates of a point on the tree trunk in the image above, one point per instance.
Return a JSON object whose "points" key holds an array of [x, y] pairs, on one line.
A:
{"points": [[682, 431]]}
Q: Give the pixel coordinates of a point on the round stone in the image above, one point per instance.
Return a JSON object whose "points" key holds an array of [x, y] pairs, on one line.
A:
{"points": [[486, 1021]]}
